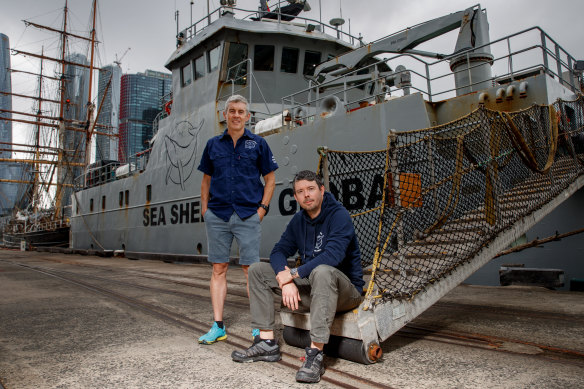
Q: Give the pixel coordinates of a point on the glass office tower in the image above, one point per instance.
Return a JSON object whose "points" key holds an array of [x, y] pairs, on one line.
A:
{"points": [[8, 171], [75, 114], [141, 98], [106, 147]]}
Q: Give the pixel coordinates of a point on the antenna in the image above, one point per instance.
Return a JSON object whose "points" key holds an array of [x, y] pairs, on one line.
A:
{"points": [[118, 61]]}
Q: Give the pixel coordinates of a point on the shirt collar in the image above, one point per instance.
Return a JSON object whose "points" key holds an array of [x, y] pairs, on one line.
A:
{"points": [[246, 134]]}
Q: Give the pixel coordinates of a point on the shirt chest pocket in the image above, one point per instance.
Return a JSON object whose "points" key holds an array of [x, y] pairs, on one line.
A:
{"points": [[221, 163], [248, 164]]}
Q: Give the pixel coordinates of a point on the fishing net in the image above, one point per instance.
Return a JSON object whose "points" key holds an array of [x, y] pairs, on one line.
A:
{"points": [[433, 198]]}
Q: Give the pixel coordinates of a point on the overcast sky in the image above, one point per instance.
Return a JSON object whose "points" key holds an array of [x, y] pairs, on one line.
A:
{"points": [[148, 27]]}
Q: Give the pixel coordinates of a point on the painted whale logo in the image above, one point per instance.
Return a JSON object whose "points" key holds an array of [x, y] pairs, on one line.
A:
{"points": [[181, 152]]}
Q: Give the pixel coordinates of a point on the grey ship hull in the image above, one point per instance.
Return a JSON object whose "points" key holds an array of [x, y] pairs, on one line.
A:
{"points": [[170, 226]]}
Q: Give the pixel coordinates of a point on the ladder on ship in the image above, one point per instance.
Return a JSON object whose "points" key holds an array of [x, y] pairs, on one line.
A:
{"points": [[452, 197]]}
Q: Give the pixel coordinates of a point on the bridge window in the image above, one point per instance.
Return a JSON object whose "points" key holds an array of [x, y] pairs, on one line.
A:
{"points": [[213, 58], [263, 58], [311, 59], [102, 203], [186, 76], [127, 195], [90, 205], [199, 67], [121, 198], [148, 193], [236, 63], [289, 60]]}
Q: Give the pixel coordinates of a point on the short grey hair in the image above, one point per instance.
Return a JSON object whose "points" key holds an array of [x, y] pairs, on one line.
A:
{"points": [[236, 99]]}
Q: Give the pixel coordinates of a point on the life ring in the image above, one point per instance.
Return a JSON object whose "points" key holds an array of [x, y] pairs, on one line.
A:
{"points": [[168, 107]]}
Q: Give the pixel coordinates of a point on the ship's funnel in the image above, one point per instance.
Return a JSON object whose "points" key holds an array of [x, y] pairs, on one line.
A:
{"points": [[472, 68]]}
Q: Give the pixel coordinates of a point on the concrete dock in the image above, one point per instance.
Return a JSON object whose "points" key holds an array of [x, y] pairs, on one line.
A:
{"points": [[73, 321]]}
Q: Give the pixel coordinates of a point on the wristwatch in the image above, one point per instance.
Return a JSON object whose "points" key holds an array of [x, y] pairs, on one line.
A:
{"points": [[293, 272], [265, 207]]}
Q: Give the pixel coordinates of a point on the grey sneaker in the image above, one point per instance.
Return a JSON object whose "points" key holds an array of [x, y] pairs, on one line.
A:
{"points": [[260, 350], [313, 366]]}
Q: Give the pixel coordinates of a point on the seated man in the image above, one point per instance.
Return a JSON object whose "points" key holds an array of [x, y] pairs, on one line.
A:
{"points": [[329, 280]]}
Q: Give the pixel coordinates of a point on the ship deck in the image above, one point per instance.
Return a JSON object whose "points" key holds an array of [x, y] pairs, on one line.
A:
{"points": [[76, 321]]}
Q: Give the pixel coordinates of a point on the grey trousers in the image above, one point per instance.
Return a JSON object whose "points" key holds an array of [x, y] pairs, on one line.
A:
{"points": [[326, 291]]}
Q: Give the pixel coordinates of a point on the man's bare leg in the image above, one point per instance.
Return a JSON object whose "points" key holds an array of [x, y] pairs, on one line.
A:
{"points": [[245, 269], [218, 289]]}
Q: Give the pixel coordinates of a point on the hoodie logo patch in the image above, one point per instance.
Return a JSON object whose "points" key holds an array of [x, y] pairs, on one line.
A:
{"points": [[318, 245]]}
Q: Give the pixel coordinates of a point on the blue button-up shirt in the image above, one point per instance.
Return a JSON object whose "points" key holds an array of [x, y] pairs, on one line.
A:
{"points": [[235, 173]]}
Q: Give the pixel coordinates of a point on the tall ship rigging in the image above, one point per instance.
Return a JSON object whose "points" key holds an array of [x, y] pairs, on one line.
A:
{"points": [[59, 145]]}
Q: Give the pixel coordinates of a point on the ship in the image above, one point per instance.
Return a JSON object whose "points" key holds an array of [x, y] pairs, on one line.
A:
{"points": [[60, 141], [428, 151]]}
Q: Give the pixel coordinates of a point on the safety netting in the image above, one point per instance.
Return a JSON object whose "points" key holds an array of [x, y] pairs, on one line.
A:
{"points": [[433, 198]]}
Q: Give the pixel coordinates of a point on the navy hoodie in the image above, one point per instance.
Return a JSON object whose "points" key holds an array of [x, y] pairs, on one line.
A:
{"points": [[329, 239]]}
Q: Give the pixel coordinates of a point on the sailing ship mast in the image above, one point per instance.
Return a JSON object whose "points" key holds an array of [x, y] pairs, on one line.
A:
{"points": [[61, 142], [37, 142]]}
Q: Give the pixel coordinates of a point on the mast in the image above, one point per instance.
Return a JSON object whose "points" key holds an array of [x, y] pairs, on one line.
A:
{"points": [[61, 142], [90, 106], [35, 194]]}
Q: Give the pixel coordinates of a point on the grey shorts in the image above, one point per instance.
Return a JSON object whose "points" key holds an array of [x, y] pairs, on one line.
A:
{"points": [[220, 236]]}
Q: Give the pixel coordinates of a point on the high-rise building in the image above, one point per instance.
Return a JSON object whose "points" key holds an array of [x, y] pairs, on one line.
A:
{"points": [[75, 113], [141, 99], [5, 99], [106, 147], [8, 171]]}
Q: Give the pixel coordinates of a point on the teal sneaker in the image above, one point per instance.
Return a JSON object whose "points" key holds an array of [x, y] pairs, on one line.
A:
{"points": [[255, 332], [213, 335]]}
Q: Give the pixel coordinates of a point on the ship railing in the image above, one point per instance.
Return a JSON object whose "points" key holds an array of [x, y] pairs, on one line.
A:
{"points": [[308, 24], [165, 109], [139, 160], [156, 122], [46, 225], [95, 176], [515, 57]]}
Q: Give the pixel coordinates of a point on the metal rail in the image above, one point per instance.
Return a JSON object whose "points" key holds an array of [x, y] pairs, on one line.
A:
{"points": [[433, 81]]}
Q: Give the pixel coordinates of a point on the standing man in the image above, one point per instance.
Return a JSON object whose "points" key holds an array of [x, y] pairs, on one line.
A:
{"points": [[234, 201], [329, 280]]}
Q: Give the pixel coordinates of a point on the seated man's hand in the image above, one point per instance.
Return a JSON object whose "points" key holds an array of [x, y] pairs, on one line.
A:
{"points": [[284, 277], [290, 296]]}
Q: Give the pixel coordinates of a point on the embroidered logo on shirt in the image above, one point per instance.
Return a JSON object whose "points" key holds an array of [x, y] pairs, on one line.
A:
{"points": [[318, 245], [250, 144]]}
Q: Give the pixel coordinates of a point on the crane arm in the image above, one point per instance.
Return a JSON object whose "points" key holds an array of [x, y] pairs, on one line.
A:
{"points": [[471, 35]]}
